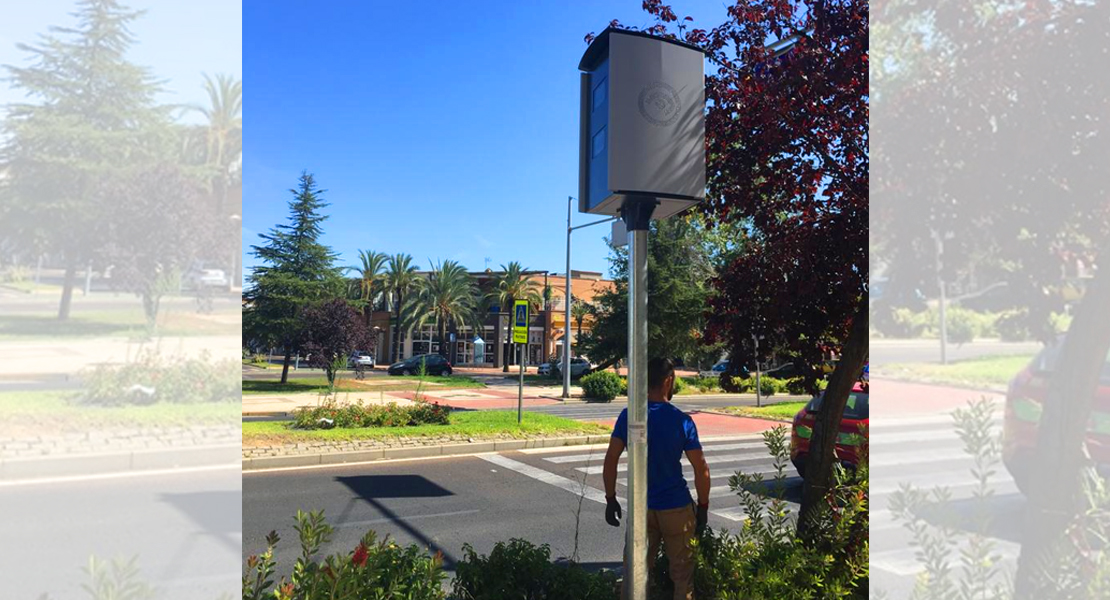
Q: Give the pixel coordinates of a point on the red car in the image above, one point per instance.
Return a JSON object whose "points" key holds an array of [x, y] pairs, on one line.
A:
{"points": [[853, 424], [1023, 414]]}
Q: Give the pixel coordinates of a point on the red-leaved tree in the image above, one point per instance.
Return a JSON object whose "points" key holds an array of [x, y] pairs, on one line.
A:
{"points": [[332, 331], [787, 156]]}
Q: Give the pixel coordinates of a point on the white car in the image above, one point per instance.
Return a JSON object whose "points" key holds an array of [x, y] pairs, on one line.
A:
{"points": [[360, 359], [578, 367], [208, 278]]}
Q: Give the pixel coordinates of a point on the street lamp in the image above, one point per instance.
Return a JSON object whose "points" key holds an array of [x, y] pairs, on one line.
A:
{"points": [[566, 319]]}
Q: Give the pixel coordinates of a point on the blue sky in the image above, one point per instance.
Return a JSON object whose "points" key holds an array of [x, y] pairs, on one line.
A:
{"points": [[447, 130], [178, 41]]}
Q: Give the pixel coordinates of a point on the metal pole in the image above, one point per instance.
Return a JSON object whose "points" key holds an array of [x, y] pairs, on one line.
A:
{"points": [[637, 214], [940, 282], [520, 390], [566, 324], [758, 393]]}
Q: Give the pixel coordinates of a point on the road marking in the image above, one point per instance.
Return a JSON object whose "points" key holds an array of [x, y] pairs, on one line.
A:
{"points": [[125, 475], [905, 562], [918, 457], [570, 485], [404, 518], [920, 435], [722, 447], [953, 480], [724, 458]]}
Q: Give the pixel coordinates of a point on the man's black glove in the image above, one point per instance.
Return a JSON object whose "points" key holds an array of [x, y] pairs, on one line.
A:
{"points": [[612, 512], [702, 517]]}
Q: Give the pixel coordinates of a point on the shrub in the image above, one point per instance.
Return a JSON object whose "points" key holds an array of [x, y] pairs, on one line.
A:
{"points": [[520, 569], [602, 385], [331, 414], [372, 569], [963, 325], [795, 386], [766, 559], [680, 385], [767, 385], [1013, 326], [151, 379], [707, 384]]}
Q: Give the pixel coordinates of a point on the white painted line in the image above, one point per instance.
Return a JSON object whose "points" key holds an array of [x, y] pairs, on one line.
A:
{"points": [[564, 449], [917, 457], [882, 438], [904, 561], [558, 481], [122, 475], [736, 513], [767, 470], [953, 480], [707, 449], [405, 518], [724, 458]]}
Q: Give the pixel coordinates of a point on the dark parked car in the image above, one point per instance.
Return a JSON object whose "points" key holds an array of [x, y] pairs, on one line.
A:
{"points": [[434, 364]]}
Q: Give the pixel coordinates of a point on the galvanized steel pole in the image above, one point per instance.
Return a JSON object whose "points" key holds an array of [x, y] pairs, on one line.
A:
{"points": [[637, 215], [566, 323]]}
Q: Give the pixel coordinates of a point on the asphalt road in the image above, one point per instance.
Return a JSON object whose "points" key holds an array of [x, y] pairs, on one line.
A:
{"points": [[184, 528], [444, 503], [924, 453], [884, 352]]}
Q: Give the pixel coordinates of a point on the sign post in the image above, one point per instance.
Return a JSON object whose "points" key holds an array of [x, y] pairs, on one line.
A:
{"points": [[520, 338], [641, 156]]}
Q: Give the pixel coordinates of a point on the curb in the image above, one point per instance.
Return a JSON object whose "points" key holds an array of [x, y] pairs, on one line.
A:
{"points": [[359, 456], [1001, 390], [724, 414], [29, 469]]}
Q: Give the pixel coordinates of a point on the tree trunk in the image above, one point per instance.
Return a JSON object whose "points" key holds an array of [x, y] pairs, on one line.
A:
{"points": [[151, 303], [67, 289], [822, 445], [285, 365], [1055, 495], [508, 338], [443, 339], [396, 350]]}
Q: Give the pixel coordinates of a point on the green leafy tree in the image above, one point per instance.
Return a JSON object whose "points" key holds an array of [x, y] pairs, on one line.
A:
{"points": [[156, 228], [512, 284], [401, 281], [679, 262], [371, 280], [579, 310], [449, 296], [297, 271], [90, 115]]}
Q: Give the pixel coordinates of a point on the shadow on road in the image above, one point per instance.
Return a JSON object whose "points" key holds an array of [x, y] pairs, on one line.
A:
{"points": [[373, 488]]}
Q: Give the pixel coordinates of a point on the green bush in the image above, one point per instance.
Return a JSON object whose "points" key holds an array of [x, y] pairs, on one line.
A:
{"points": [[520, 569], [707, 384], [332, 415], [602, 385], [151, 379], [680, 385], [768, 386], [796, 386], [1013, 326], [766, 559], [372, 570], [963, 325]]}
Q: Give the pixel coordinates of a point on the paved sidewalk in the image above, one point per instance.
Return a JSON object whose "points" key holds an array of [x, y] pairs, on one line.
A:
{"points": [[36, 358], [269, 404], [901, 398]]}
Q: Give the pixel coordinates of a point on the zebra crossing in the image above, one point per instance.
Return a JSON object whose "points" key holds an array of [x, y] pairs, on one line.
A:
{"points": [[927, 453], [578, 470]]}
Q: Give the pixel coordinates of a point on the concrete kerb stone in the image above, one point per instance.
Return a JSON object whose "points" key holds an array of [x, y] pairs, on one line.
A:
{"points": [[304, 460], [110, 463]]}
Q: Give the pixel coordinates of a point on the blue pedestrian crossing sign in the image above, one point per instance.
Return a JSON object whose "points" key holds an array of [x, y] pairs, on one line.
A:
{"points": [[520, 322]]}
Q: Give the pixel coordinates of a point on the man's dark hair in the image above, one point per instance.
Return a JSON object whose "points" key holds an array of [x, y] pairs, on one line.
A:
{"points": [[659, 369]]}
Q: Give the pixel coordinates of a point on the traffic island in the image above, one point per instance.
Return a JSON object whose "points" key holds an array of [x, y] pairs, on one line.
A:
{"points": [[277, 444]]}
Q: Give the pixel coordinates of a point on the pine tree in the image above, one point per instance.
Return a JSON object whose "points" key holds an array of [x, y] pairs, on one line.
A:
{"points": [[298, 271], [90, 115]]}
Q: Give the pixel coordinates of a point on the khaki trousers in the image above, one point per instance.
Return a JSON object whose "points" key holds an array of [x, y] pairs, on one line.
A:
{"points": [[675, 529]]}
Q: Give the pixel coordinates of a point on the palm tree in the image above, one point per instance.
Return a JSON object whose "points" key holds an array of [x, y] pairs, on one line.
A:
{"points": [[579, 310], [400, 280], [225, 120], [370, 280], [449, 296], [512, 285]]}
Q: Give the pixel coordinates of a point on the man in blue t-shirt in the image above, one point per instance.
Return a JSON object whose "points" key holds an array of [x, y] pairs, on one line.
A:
{"points": [[672, 517]]}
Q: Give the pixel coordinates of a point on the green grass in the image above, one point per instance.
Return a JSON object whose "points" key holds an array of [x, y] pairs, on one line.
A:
{"points": [[347, 383], [123, 323], [537, 379], [782, 411], [46, 412], [987, 371], [475, 424]]}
